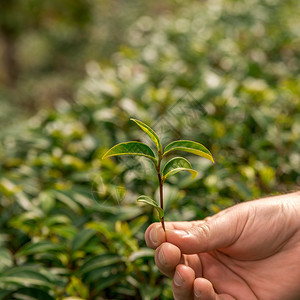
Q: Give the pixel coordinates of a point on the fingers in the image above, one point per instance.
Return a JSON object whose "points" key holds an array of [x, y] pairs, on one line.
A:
{"points": [[183, 282], [167, 257], [155, 235], [186, 287], [203, 290], [184, 269], [214, 233], [219, 231]]}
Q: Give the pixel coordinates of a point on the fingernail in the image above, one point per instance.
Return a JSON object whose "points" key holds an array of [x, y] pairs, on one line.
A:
{"points": [[161, 257], [153, 236], [197, 294], [178, 279]]}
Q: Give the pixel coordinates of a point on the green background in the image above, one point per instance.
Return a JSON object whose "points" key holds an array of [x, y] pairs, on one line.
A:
{"points": [[223, 73]]}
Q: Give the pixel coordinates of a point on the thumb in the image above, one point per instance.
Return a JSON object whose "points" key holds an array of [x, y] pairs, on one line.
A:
{"points": [[219, 231]]}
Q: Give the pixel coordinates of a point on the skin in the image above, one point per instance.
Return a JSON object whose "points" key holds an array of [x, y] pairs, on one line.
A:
{"points": [[249, 251]]}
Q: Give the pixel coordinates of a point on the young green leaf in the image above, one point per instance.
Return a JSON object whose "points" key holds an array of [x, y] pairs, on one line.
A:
{"points": [[153, 136], [189, 146], [176, 165], [131, 148], [148, 200]]}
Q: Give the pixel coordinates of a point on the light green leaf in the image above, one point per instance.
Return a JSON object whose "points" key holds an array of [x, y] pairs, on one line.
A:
{"points": [[176, 165], [131, 148], [25, 276], [65, 198], [25, 281], [148, 200], [141, 253], [6, 259], [189, 146], [153, 136]]}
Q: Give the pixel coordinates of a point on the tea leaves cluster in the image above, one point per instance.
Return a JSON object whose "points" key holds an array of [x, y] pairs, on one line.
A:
{"points": [[225, 73]]}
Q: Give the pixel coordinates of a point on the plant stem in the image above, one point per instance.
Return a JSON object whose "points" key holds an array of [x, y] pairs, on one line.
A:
{"points": [[161, 200], [161, 194]]}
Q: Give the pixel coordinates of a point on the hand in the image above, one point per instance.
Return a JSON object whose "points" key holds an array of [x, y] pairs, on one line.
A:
{"points": [[249, 251]]}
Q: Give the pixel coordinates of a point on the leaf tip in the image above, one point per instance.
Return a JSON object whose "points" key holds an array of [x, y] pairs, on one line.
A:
{"points": [[194, 175]]}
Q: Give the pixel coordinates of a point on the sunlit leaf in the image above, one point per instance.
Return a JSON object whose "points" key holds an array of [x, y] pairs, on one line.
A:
{"points": [[176, 165], [77, 287], [131, 148], [189, 146], [67, 200], [25, 281], [142, 253], [25, 276], [5, 258], [151, 133], [38, 247], [148, 200]]}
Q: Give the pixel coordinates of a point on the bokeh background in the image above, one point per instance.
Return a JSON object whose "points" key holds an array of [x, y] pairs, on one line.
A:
{"points": [[225, 73]]}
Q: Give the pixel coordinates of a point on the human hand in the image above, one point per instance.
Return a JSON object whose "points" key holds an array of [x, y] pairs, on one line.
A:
{"points": [[249, 251]]}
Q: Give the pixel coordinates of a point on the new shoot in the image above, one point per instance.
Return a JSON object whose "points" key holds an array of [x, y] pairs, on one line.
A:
{"points": [[171, 167]]}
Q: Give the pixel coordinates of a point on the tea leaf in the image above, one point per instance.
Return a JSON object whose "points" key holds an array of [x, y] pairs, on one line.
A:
{"points": [[82, 238], [189, 146], [176, 165], [29, 293], [131, 148], [153, 136], [39, 247], [148, 200]]}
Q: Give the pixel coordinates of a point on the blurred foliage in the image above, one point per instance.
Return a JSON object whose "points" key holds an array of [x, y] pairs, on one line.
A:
{"points": [[224, 73], [44, 46]]}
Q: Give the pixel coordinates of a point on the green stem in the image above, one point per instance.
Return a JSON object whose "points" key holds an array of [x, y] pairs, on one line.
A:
{"points": [[161, 194], [161, 200]]}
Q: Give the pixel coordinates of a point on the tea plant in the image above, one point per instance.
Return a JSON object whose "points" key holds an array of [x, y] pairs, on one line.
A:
{"points": [[173, 166]]}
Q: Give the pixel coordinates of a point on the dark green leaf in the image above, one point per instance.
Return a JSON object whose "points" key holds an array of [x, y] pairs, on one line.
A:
{"points": [[98, 262], [5, 294], [32, 293], [176, 165], [189, 146], [109, 281], [81, 238], [131, 148]]}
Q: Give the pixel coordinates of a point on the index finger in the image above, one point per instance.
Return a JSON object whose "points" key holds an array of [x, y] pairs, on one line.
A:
{"points": [[155, 234]]}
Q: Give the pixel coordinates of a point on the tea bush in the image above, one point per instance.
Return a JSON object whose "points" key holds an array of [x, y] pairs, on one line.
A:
{"points": [[224, 73]]}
